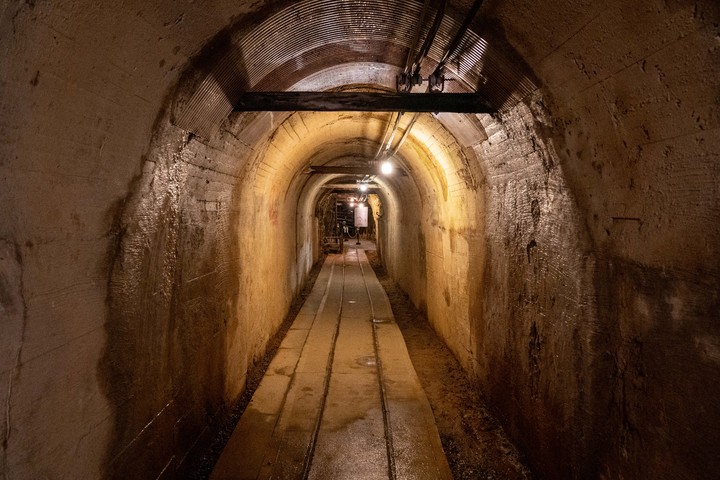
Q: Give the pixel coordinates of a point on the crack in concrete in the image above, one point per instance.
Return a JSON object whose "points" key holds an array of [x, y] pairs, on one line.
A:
{"points": [[6, 437], [15, 371]]}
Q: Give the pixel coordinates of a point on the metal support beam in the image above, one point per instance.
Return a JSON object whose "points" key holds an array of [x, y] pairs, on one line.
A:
{"points": [[362, 102], [348, 186], [359, 171]]}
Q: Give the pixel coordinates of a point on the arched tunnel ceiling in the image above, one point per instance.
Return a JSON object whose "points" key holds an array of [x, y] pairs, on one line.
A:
{"points": [[316, 45], [435, 162], [312, 35], [436, 153]]}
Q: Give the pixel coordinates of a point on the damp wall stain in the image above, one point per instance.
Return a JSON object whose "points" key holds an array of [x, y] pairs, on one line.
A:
{"points": [[12, 333], [659, 398], [171, 300], [600, 366], [537, 320]]}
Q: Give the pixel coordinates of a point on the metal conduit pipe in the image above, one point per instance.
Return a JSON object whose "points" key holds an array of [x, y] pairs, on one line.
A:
{"points": [[458, 37], [422, 54], [413, 45], [448, 53], [394, 130], [405, 133], [381, 148]]}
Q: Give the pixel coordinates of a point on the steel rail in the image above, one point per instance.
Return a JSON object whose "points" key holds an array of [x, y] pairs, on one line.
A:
{"points": [[310, 454], [392, 471]]}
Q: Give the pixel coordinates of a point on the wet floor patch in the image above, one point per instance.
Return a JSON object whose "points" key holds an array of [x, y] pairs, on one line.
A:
{"points": [[369, 361], [381, 320]]}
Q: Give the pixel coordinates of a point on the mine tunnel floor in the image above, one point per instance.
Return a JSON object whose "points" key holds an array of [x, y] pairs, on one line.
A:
{"points": [[474, 441], [341, 398], [320, 412]]}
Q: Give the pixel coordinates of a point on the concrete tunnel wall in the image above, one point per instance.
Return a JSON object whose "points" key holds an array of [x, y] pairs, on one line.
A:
{"points": [[566, 250]]}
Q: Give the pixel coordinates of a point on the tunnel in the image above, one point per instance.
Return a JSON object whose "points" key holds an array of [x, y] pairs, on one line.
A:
{"points": [[563, 245]]}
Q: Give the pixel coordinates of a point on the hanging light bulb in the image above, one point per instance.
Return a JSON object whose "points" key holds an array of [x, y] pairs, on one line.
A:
{"points": [[386, 168], [363, 187]]}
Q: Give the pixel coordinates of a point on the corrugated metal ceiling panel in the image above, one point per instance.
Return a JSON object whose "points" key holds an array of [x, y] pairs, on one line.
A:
{"points": [[322, 33]]}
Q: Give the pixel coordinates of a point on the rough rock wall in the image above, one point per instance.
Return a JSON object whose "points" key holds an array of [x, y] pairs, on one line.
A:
{"points": [[432, 230], [118, 249], [12, 331], [603, 240], [537, 342], [74, 123], [204, 272], [403, 240], [173, 294], [601, 366], [452, 234], [82, 86]]}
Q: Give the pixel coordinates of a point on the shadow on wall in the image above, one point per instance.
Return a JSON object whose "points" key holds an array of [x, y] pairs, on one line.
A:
{"points": [[216, 79], [601, 366], [172, 299], [660, 354]]}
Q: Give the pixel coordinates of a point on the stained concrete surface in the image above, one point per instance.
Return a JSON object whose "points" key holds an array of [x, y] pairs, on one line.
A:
{"points": [[338, 400]]}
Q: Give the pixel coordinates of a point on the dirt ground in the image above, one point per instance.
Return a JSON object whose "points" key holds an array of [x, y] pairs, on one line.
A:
{"points": [[473, 440]]}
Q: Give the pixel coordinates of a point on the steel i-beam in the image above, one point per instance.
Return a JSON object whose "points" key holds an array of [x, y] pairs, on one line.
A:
{"points": [[362, 102]]}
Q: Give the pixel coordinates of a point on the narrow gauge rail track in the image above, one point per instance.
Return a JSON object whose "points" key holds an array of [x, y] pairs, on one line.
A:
{"points": [[341, 398], [341, 261]]}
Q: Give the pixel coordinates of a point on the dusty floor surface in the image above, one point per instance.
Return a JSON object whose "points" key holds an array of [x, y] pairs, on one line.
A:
{"points": [[473, 440]]}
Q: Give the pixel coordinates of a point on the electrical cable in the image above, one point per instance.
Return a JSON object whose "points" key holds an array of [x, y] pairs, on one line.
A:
{"points": [[422, 54], [411, 50], [455, 43]]}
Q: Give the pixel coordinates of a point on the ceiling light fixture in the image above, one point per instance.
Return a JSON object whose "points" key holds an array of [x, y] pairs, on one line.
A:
{"points": [[386, 168]]}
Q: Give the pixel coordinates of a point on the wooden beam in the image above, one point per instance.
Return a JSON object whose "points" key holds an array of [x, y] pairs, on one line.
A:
{"points": [[359, 171], [362, 102]]}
